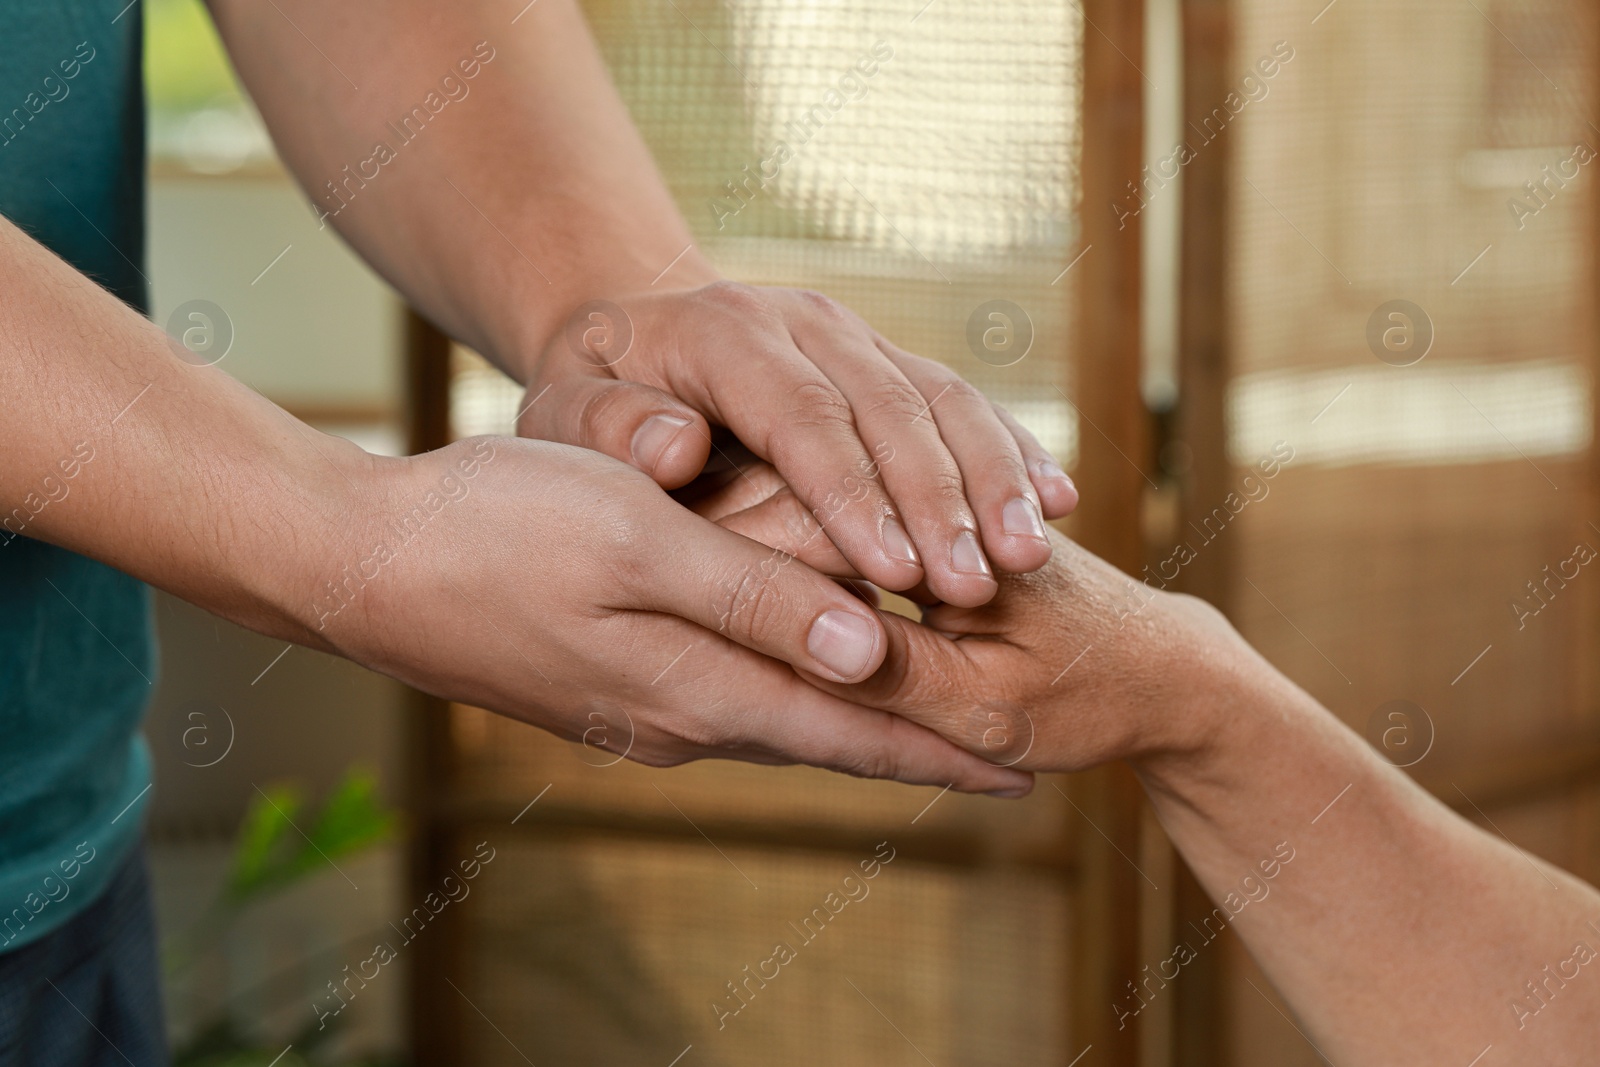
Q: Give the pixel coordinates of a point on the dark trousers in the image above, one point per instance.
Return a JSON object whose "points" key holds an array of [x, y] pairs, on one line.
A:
{"points": [[89, 993]]}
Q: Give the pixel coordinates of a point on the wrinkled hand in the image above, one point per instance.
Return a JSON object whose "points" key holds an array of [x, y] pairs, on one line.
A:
{"points": [[557, 586], [1071, 666], [916, 476]]}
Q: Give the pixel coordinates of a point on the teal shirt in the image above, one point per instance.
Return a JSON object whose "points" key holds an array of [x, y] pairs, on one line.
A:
{"points": [[77, 655]]}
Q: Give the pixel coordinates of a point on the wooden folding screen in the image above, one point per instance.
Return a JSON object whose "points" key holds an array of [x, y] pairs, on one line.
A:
{"points": [[625, 900], [1389, 267]]}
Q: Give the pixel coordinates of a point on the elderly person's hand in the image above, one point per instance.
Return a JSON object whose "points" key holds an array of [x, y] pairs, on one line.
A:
{"points": [[1396, 931], [1073, 665]]}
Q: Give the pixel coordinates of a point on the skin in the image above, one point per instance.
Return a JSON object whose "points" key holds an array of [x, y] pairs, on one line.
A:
{"points": [[562, 584], [543, 581], [532, 195], [1397, 931]]}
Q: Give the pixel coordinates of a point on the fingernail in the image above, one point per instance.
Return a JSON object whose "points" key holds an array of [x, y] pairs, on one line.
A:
{"points": [[1020, 518], [650, 440], [843, 642], [1010, 794], [1051, 471], [897, 543], [966, 557]]}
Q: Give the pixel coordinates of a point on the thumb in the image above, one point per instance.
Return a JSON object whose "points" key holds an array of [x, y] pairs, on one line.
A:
{"points": [[756, 596], [946, 686], [637, 424]]}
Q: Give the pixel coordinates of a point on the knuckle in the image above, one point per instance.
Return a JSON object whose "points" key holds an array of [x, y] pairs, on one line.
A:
{"points": [[962, 392], [694, 737], [736, 297], [622, 539], [729, 731], [896, 402], [758, 611], [1005, 476], [945, 484], [821, 304], [819, 406], [1200, 610], [597, 413], [661, 755], [871, 763]]}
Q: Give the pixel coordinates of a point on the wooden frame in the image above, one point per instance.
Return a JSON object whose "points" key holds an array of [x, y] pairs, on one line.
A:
{"points": [[1544, 770], [1203, 373], [431, 1014], [1113, 469], [1113, 472]]}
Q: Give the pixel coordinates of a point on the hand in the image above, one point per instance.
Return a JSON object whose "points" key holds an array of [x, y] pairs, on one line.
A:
{"points": [[1071, 666], [906, 465], [557, 586]]}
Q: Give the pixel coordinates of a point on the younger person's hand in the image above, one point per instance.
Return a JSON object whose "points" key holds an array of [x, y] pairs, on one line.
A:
{"points": [[557, 586], [915, 475]]}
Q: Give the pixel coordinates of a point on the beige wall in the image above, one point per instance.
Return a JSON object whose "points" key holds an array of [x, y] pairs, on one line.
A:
{"points": [[318, 331]]}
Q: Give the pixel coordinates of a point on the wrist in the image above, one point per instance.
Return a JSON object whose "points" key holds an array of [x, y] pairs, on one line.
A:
{"points": [[1233, 715], [537, 326], [384, 555], [1212, 694], [321, 587]]}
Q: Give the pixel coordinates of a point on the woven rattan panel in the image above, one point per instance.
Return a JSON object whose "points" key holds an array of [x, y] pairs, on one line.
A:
{"points": [[1421, 499], [694, 869], [621, 951], [931, 167], [1388, 160], [501, 764], [946, 178]]}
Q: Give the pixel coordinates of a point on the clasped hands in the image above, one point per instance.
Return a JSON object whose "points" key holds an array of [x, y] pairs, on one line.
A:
{"points": [[727, 620]]}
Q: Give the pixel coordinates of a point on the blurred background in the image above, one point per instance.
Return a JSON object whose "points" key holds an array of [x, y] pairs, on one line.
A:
{"points": [[1175, 238]]}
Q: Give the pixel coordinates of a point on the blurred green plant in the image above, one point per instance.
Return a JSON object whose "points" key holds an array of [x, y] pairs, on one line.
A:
{"points": [[280, 844], [272, 853]]}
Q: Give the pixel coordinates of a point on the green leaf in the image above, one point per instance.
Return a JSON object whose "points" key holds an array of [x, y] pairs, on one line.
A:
{"points": [[353, 818], [279, 843], [267, 842]]}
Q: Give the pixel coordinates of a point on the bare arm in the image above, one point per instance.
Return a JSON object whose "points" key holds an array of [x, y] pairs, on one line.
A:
{"points": [[1397, 931], [524, 194], [113, 446], [523, 576], [477, 154]]}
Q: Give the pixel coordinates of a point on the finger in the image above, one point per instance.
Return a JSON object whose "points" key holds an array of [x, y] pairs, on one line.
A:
{"points": [[783, 523], [915, 465], [870, 594], [731, 481], [745, 372], [754, 501], [1058, 496], [997, 482], [759, 597], [637, 424], [774, 716], [923, 677], [875, 744]]}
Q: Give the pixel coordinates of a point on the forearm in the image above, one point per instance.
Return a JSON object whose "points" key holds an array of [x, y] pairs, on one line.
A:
{"points": [[526, 193], [114, 447], [1398, 932]]}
